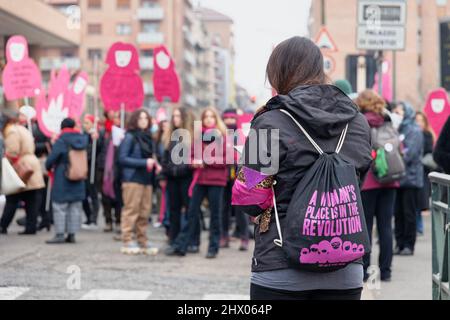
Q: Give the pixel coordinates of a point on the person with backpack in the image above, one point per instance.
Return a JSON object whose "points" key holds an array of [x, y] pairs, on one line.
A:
{"points": [[310, 234], [138, 166], [68, 165], [382, 182], [407, 202]]}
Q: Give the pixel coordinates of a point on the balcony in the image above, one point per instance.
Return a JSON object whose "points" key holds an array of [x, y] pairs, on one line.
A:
{"points": [[48, 64], [190, 58], [146, 63], [150, 13], [190, 100], [189, 37], [150, 38], [191, 80]]}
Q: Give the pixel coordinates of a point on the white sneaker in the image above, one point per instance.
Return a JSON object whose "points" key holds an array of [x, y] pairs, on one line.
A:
{"points": [[130, 248], [157, 225], [89, 227], [149, 249]]}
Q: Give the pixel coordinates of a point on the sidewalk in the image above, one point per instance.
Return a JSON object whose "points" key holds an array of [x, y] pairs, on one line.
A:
{"points": [[411, 276]]}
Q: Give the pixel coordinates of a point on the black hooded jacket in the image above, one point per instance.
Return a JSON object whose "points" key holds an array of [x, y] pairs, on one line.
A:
{"points": [[324, 111]]}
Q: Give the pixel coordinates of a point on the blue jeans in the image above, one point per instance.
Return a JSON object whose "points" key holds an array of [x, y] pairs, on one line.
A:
{"points": [[419, 221], [189, 231]]}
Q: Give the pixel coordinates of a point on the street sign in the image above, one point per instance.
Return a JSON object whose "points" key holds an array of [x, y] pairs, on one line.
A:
{"points": [[381, 25], [325, 42], [383, 38], [382, 12], [329, 64]]}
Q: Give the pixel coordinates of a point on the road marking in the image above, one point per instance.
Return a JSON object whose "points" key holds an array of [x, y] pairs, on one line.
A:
{"points": [[12, 293], [116, 295], [225, 297]]}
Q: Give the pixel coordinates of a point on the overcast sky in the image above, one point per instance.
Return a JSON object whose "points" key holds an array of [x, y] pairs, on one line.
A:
{"points": [[260, 25]]}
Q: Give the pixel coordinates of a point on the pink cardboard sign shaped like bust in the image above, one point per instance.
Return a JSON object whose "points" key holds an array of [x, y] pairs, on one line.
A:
{"points": [[121, 83], [75, 96], [51, 111], [386, 81], [437, 109], [21, 76], [166, 81]]}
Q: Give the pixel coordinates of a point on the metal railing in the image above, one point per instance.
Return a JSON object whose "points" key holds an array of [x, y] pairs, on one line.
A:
{"points": [[440, 195]]}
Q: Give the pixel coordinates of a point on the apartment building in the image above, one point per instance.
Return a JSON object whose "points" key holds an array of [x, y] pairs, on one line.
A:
{"points": [[144, 23], [417, 67], [45, 29], [221, 34]]}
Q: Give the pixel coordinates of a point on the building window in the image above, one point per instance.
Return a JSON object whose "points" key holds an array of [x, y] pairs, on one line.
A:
{"points": [[94, 28], [123, 4], [150, 27], [123, 29], [94, 4], [147, 53], [92, 53], [148, 3]]}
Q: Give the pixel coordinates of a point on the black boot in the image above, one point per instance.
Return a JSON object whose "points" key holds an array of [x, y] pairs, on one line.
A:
{"points": [[70, 238], [27, 233], [3, 231], [58, 239]]}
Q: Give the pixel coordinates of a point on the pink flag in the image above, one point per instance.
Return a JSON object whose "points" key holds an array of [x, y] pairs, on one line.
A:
{"points": [[121, 84], [50, 110], [437, 109], [166, 81], [75, 96], [21, 76]]}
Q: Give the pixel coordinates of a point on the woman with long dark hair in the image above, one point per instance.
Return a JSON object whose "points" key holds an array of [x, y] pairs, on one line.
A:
{"points": [[295, 71], [138, 164], [175, 175]]}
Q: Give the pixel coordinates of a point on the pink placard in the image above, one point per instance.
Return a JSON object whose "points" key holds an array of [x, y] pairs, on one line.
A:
{"points": [[386, 81], [166, 81], [437, 109], [21, 76], [75, 96], [50, 110], [121, 84]]}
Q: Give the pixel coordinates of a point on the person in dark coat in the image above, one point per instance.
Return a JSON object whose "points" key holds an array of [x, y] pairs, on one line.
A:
{"points": [[67, 195], [108, 175], [410, 186], [441, 152], [177, 176], [295, 71], [429, 139], [91, 204], [378, 199]]}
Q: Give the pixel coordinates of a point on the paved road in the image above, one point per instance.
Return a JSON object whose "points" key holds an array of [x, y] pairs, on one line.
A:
{"points": [[30, 269]]}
